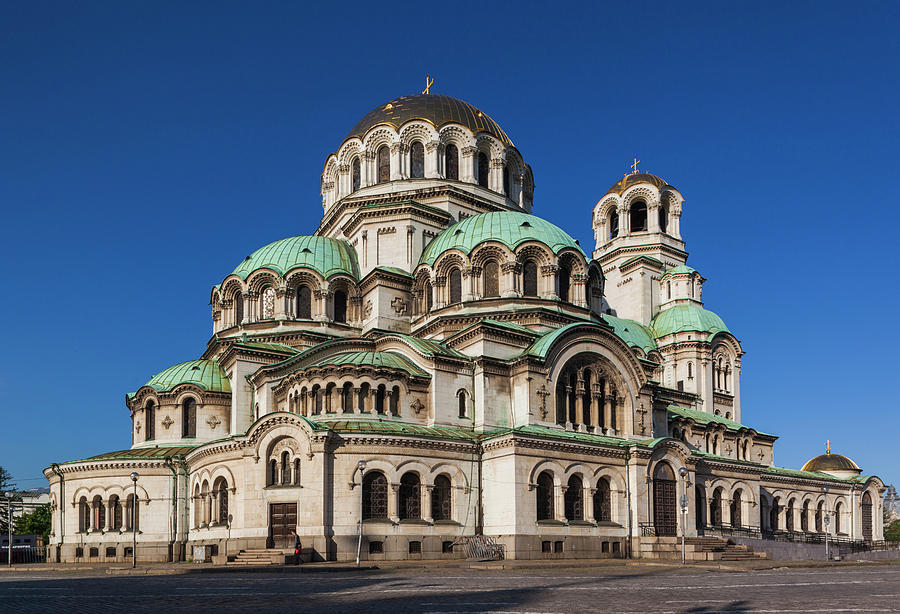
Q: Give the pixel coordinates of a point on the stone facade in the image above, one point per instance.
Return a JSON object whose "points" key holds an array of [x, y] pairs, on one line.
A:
{"points": [[435, 363]]}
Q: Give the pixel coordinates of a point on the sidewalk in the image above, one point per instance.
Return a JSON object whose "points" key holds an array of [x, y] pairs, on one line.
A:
{"points": [[583, 565]]}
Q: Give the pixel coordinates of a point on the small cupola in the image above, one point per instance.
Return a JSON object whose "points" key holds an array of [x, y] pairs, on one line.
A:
{"points": [[680, 285]]}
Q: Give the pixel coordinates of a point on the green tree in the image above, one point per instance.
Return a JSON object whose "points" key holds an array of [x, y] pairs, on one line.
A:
{"points": [[892, 531], [35, 523]]}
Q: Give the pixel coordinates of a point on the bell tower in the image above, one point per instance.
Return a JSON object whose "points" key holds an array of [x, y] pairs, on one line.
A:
{"points": [[637, 229]]}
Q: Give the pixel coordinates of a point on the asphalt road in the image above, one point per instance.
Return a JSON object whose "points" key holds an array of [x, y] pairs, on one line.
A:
{"points": [[623, 591]]}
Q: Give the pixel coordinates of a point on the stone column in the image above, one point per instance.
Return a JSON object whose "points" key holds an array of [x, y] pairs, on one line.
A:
{"points": [[495, 181], [511, 273], [280, 302], [433, 159], [653, 217], [595, 413], [547, 282], [373, 393], [467, 164], [343, 183], [590, 514], [607, 411], [425, 494], [559, 506], [579, 286], [624, 222], [394, 503], [579, 403]]}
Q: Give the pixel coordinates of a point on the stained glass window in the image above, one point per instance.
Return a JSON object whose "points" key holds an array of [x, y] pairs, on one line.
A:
{"points": [[384, 164], [483, 169], [355, 175], [304, 303], [574, 499], [268, 303], [451, 162], [441, 499], [455, 286], [544, 492], [491, 278], [602, 507], [189, 418], [374, 494], [529, 275], [410, 496]]}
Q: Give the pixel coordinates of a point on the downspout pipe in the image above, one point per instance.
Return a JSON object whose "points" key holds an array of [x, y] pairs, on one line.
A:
{"points": [[174, 532]]}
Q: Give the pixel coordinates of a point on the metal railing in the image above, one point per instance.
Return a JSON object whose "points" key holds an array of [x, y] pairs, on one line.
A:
{"points": [[24, 555], [481, 547]]}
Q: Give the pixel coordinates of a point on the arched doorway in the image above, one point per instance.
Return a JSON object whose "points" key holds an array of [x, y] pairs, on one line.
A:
{"points": [[715, 508], [700, 507], [735, 509], [665, 519], [867, 517]]}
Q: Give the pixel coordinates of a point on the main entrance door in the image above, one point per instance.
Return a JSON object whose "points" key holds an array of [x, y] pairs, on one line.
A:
{"points": [[282, 519], [665, 518], [867, 517]]}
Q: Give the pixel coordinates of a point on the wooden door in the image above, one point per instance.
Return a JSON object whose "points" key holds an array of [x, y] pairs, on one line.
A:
{"points": [[867, 517], [282, 519], [664, 514]]}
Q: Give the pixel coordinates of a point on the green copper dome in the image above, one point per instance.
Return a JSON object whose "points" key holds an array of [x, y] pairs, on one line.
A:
{"points": [[206, 374], [681, 269], [324, 255], [508, 227], [388, 360], [687, 318]]}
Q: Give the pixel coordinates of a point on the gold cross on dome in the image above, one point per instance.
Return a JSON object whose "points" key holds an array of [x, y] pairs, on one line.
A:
{"points": [[828, 447], [428, 83], [634, 166]]}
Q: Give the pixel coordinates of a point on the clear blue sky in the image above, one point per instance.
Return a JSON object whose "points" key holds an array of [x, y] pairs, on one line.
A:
{"points": [[148, 147]]}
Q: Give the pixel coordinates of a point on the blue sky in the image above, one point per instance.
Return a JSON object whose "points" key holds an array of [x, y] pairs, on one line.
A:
{"points": [[147, 148]]}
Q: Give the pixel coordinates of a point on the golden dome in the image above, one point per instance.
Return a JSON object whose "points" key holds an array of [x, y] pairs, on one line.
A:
{"points": [[629, 180], [831, 462]]}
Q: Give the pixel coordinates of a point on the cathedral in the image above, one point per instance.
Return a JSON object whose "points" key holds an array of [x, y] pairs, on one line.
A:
{"points": [[436, 367]]}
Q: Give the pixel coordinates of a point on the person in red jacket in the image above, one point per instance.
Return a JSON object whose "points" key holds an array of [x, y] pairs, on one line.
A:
{"points": [[298, 548]]}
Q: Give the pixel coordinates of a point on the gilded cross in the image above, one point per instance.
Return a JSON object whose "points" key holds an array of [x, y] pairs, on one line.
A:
{"points": [[828, 447], [634, 164], [428, 83]]}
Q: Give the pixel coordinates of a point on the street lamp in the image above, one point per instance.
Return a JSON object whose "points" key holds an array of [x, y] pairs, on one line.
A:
{"points": [[683, 472], [361, 467], [134, 478], [827, 521], [9, 496]]}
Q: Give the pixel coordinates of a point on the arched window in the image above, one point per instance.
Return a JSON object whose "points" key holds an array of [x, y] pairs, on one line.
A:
{"points": [[429, 297], [451, 162], [735, 509], [317, 399], [773, 514], [715, 508], [395, 401], [574, 499], [99, 513], [562, 400], [461, 402], [690, 370], [384, 164], [506, 181], [663, 218], [838, 512], [820, 508], [238, 308], [220, 492], [272, 474], [268, 304], [455, 279], [189, 418], [304, 303], [355, 175], [416, 160], [150, 419], [491, 279], [379, 399], [563, 282], [285, 468], [441, 499], [865, 508], [483, 169], [529, 278], [84, 515], [340, 306], [410, 497], [613, 224], [132, 514], [374, 495], [544, 492], [198, 506], [115, 509], [296, 471], [602, 501], [347, 397], [789, 516], [205, 502]]}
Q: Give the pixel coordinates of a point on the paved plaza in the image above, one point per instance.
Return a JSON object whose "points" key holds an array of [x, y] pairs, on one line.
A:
{"points": [[623, 590]]}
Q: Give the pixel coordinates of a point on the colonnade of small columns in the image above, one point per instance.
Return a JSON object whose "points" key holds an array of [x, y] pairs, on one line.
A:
{"points": [[347, 398], [589, 406], [97, 516]]}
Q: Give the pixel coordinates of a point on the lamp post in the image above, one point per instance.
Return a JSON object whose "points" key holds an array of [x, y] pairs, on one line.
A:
{"points": [[684, 509], [9, 496], [134, 478], [827, 521], [361, 467]]}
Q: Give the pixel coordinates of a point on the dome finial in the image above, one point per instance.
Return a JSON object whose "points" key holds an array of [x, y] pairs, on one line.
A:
{"points": [[828, 447], [428, 83], [634, 169]]}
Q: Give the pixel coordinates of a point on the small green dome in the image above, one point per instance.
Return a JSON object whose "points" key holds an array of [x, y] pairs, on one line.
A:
{"points": [[508, 227], [206, 374], [389, 360], [324, 255], [687, 318], [679, 270]]}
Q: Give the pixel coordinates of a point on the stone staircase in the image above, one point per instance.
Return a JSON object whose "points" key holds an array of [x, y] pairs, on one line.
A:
{"points": [[697, 549], [262, 556]]}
